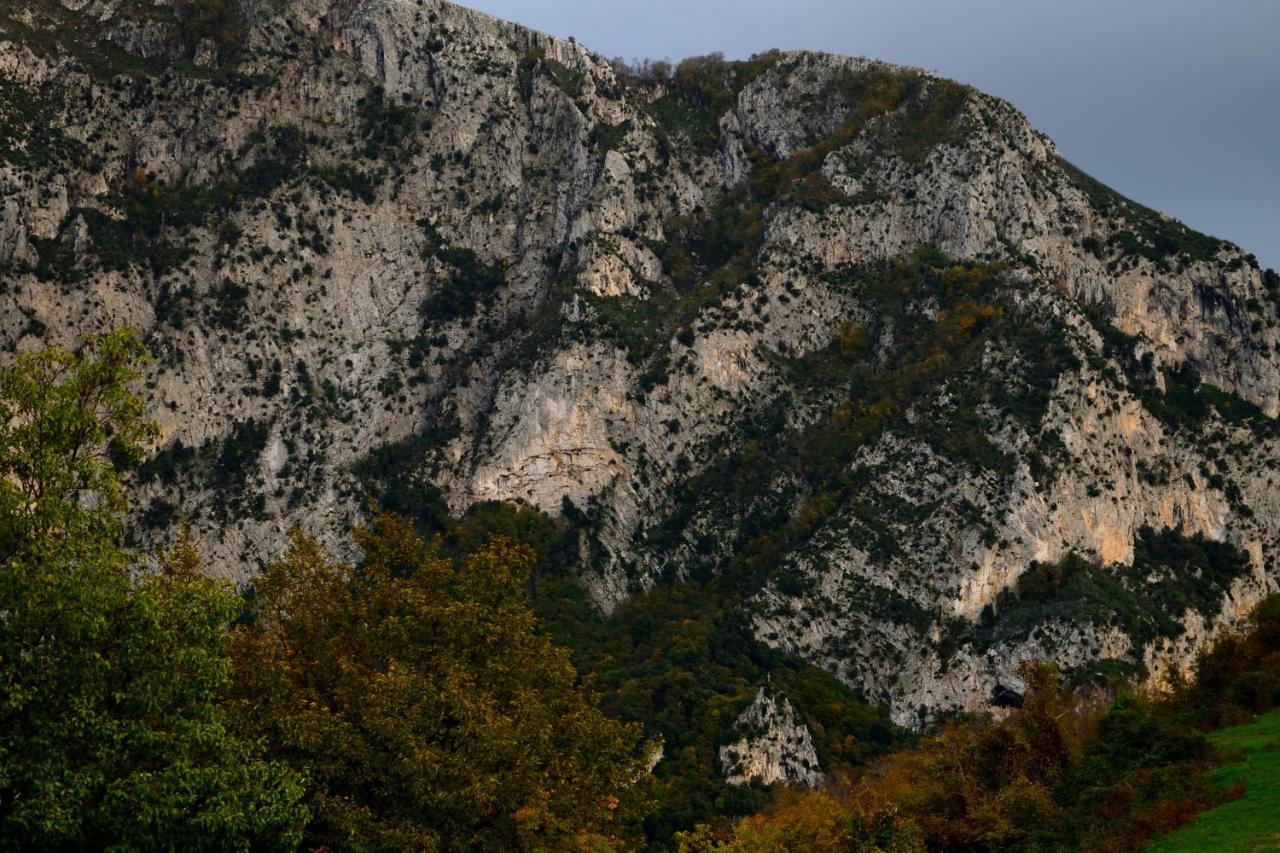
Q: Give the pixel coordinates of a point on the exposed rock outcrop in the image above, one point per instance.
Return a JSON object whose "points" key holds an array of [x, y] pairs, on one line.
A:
{"points": [[773, 749]]}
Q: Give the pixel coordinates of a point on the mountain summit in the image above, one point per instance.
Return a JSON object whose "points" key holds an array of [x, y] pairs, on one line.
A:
{"points": [[848, 340]]}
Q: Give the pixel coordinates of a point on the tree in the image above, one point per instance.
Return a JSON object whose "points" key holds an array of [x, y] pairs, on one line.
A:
{"points": [[1239, 675], [852, 817], [111, 732], [985, 785], [423, 703]]}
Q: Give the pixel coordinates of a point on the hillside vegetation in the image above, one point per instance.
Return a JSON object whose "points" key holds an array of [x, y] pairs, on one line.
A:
{"points": [[846, 345]]}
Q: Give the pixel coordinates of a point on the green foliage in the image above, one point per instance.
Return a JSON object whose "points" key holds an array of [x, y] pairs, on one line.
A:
{"points": [[1074, 591], [702, 90], [111, 731], [280, 157], [1239, 675], [1147, 768], [28, 136], [569, 80], [155, 212], [230, 310], [1140, 770], [395, 476], [388, 129], [1187, 403], [1063, 773], [707, 258], [682, 661], [1131, 735], [607, 137], [1252, 821], [424, 705], [912, 112], [782, 482], [1177, 573], [53, 29], [916, 112], [526, 67], [238, 456], [535, 62], [225, 466], [1150, 234], [355, 182], [57, 31], [1171, 574], [1271, 284], [469, 283], [57, 412], [936, 349], [709, 255], [550, 541]]}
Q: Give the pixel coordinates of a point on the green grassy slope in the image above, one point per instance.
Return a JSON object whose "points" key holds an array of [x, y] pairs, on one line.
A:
{"points": [[1251, 823]]}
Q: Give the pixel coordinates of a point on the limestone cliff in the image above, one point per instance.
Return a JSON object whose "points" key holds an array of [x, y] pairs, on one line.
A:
{"points": [[773, 749], [852, 336]]}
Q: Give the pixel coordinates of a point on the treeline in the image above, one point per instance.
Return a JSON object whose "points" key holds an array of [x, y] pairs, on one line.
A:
{"points": [[415, 698]]}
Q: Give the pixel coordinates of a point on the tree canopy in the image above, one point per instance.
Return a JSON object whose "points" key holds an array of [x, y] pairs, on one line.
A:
{"points": [[424, 705], [111, 727]]}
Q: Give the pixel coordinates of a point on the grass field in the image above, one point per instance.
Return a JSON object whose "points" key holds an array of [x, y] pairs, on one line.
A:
{"points": [[1251, 823]]}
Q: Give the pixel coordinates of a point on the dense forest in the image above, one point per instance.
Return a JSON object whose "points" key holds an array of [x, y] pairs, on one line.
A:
{"points": [[449, 689]]}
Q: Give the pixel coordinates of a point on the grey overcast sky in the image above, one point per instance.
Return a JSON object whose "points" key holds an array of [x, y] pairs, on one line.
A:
{"points": [[1175, 103]]}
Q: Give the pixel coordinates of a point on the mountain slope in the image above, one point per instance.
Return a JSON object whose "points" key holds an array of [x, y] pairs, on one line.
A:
{"points": [[851, 337]]}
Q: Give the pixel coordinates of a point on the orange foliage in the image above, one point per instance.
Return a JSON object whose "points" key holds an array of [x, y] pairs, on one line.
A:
{"points": [[849, 816]]}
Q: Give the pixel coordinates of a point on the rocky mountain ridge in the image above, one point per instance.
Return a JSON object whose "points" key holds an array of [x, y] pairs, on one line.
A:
{"points": [[850, 338]]}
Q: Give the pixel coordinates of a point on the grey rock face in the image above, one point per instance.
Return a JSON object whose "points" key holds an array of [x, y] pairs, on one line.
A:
{"points": [[774, 747], [398, 239]]}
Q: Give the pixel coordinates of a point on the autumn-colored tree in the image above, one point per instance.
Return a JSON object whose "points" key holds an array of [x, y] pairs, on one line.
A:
{"points": [[111, 732], [852, 339], [975, 786], [848, 817], [423, 703]]}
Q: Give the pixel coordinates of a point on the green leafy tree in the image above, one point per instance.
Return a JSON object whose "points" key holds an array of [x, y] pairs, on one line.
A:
{"points": [[111, 732], [424, 704]]}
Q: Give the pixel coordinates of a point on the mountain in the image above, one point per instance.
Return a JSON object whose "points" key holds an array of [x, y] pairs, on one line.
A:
{"points": [[849, 340]]}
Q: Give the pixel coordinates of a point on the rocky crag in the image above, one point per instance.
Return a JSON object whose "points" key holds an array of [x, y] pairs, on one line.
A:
{"points": [[774, 747], [849, 336]]}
